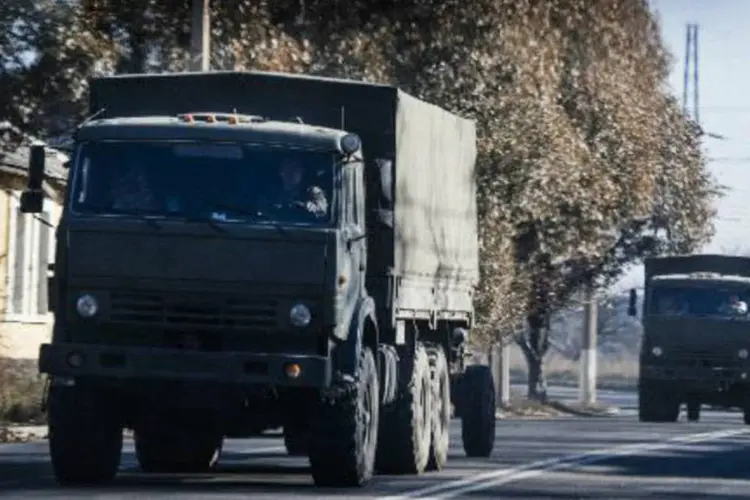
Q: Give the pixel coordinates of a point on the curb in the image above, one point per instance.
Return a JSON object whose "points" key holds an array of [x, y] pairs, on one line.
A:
{"points": [[604, 412]]}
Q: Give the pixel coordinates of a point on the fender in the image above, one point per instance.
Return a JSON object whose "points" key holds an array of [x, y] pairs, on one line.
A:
{"points": [[346, 354]]}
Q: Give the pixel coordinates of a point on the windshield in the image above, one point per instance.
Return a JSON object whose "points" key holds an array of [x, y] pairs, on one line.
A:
{"points": [[198, 180], [720, 302]]}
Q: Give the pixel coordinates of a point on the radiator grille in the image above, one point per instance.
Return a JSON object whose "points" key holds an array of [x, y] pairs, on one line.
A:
{"points": [[183, 311]]}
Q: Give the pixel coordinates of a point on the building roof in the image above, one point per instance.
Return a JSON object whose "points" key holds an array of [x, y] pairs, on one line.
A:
{"points": [[16, 161]]}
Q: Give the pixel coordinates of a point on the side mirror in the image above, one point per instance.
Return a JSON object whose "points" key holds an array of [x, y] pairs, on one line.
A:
{"points": [[633, 302], [36, 168], [32, 199], [32, 202]]}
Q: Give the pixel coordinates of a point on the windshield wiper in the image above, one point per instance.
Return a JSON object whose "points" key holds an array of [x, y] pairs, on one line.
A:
{"points": [[208, 220], [150, 221], [276, 225], [248, 213]]}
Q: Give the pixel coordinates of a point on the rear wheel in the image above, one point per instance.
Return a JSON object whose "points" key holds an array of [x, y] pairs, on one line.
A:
{"points": [[441, 411], [478, 411], [169, 445], [404, 445], [693, 411], [746, 414]]}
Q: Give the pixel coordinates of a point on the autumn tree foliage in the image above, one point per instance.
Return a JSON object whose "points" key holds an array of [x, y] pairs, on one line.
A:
{"points": [[586, 163]]}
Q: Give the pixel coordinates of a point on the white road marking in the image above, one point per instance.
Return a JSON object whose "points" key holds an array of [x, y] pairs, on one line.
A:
{"points": [[452, 489], [259, 451]]}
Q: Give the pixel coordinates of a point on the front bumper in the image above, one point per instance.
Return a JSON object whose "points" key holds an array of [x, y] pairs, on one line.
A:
{"points": [[182, 365], [692, 378]]}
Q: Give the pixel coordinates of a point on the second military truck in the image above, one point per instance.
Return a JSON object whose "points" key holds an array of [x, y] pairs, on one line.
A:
{"points": [[696, 336], [244, 251]]}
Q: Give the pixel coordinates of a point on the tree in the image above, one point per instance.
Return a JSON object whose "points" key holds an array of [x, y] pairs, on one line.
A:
{"points": [[584, 164]]}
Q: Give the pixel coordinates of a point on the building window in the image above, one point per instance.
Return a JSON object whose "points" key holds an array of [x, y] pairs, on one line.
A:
{"points": [[30, 250]]}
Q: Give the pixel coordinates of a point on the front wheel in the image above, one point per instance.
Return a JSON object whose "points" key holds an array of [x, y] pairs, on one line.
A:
{"points": [[85, 436], [344, 430], [478, 411], [656, 404], [173, 446]]}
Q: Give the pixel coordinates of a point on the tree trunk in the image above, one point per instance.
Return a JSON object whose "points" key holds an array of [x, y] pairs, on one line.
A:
{"points": [[534, 346], [537, 383]]}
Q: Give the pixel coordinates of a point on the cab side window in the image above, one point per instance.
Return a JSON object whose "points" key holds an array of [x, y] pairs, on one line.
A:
{"points": [[358, 198], [350, 210]]}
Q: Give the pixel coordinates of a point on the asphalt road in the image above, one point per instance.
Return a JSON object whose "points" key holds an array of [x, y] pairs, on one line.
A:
{"points": [[565, 458]]}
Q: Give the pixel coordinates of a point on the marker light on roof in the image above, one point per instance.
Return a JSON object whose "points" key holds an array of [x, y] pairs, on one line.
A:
{"points": [[350, 143]]}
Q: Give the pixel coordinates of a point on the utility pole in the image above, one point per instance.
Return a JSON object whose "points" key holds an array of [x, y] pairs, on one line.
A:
{"points": [[587, 380], [200, 36], [500, 366], [691, 62]]}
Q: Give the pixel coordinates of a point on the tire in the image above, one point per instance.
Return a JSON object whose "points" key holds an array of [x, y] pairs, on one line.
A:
{"points": [[478, 412], [344, 431], [405, 427], [85, 436], [693, 412], [296, 441], [656, 405], [167, 446], [441, 413]]}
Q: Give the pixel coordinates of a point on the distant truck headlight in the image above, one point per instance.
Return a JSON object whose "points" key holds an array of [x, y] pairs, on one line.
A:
{"points": [[742, 353], [300, 315], [656, 351], [87, 306]]}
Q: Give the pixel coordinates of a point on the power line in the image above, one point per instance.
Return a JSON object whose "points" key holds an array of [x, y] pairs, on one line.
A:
{"points": [[729, 159]]}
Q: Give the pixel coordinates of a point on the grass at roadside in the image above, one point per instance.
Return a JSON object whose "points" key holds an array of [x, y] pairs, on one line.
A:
{"points": [[521, 407], [21, 390]]}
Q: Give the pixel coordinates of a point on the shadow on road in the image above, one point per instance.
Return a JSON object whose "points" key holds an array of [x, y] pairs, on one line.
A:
{"points": [[596, 493], [728, 461]]}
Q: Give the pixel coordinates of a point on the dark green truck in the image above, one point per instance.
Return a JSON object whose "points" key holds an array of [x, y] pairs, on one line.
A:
{"points": [[696, 336], [197, 298]]}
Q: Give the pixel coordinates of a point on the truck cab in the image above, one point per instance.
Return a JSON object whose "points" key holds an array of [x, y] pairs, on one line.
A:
{"points": [[197, 254]]}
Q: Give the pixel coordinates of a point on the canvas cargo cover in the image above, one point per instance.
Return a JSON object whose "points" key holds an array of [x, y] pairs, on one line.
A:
{"points": [[698, 263], [433, 223], [435, 204]]}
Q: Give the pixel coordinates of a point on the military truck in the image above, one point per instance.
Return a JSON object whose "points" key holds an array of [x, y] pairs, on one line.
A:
{"points": [[696, 336], [193, 301]]}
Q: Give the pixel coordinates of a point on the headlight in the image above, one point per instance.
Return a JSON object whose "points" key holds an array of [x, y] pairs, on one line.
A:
{"points": [[656, 351], [742, 353], [300, 315], [87, 306]]}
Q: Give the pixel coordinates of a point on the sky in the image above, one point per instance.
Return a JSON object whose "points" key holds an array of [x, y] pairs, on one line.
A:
{"points": [[724, 106]]}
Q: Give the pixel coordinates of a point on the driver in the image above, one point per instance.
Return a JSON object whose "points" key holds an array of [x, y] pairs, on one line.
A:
{"points": [[293, 194], [735, 306]]}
